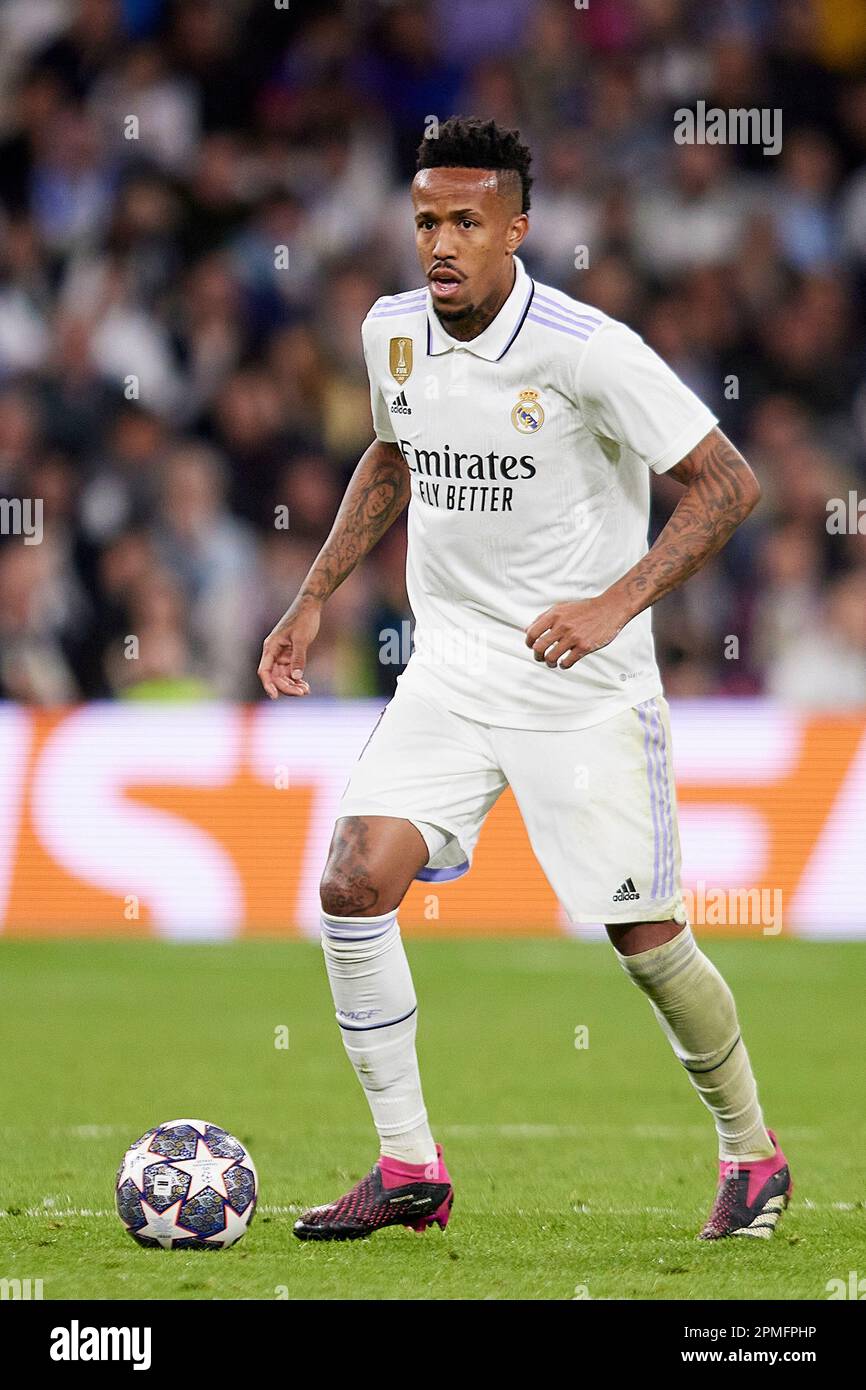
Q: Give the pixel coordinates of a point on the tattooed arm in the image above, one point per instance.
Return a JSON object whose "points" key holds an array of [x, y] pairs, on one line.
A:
{"points": [[377, 494], [721, 490]]}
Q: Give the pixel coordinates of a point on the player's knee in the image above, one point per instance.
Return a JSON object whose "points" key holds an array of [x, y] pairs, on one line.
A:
{"points": [[364, 872], [632, 938], [343, 896]]}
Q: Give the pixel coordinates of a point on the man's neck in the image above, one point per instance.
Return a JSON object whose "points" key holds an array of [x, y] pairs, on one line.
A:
{"points": [[482, 316]]}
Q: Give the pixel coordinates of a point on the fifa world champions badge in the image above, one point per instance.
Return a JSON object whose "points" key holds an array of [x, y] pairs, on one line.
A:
{"points": [[528, 415], [400, 359]]}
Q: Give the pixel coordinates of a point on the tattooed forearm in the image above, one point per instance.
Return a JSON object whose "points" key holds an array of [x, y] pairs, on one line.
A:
{"points": [[721, 490], [377, 494]]}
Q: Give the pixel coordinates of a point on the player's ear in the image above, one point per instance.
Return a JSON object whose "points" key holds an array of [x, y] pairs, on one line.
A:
{"points": [[516, 233]]}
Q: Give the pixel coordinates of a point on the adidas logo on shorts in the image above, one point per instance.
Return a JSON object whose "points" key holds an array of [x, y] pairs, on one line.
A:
{"points": [[626, 892], [400, 405]]}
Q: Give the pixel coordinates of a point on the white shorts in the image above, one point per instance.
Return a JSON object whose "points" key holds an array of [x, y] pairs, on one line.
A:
{"points": [[599, 803]]}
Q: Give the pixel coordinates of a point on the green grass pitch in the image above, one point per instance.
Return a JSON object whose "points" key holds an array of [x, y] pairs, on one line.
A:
{"points": [[579, 1172]]}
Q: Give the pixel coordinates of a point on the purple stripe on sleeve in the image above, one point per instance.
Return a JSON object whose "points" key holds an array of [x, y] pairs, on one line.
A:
{"points": [[560, 327], [567, 313], [401, 298], [395, 313]]}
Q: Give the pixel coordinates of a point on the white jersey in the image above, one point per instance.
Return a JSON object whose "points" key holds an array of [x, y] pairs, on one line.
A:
{"points": [[528, 448]]}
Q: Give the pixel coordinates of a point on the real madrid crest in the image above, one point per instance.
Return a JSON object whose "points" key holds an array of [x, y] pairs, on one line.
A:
{"points": [[528, 415], [400, 359]]}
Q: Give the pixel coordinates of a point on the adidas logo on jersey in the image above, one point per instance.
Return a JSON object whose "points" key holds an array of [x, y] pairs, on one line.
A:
{"points": [[400, 405], [626, 892]]}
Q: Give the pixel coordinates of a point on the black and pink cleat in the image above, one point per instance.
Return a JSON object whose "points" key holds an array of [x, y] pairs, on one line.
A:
{"points": [[751, 1197], [392, 1194]]}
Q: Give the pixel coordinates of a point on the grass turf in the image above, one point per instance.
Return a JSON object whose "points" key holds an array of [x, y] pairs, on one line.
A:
{"points": [[579, 1172]]}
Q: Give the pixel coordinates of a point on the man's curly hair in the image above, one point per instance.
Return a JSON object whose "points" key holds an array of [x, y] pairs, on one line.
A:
{"points": [[464, 142]]}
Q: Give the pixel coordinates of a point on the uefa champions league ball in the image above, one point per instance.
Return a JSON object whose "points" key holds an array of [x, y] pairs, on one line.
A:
{"points": [[186, 1185]]}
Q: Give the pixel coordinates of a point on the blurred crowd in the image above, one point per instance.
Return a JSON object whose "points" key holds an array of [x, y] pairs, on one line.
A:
{"points": [[189, 402]]}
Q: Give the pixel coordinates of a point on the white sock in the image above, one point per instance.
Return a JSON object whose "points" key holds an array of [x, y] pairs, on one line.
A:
{"points": [[697, 1013], [372, 985]]}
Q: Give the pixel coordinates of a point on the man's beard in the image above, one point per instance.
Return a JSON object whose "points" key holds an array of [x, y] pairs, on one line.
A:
{"points": [[456, 315]]}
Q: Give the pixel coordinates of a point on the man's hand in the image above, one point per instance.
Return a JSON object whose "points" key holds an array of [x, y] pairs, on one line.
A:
{"points": [[281, 669], [378, 492], [561, 635], [720, 491]]}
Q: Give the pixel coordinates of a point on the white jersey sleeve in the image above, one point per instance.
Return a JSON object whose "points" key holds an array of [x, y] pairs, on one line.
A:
{"points": [[628, 394], [378, 405]]}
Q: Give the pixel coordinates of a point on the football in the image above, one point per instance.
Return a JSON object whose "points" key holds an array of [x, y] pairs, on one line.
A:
{"points": [[186, 1185]]}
